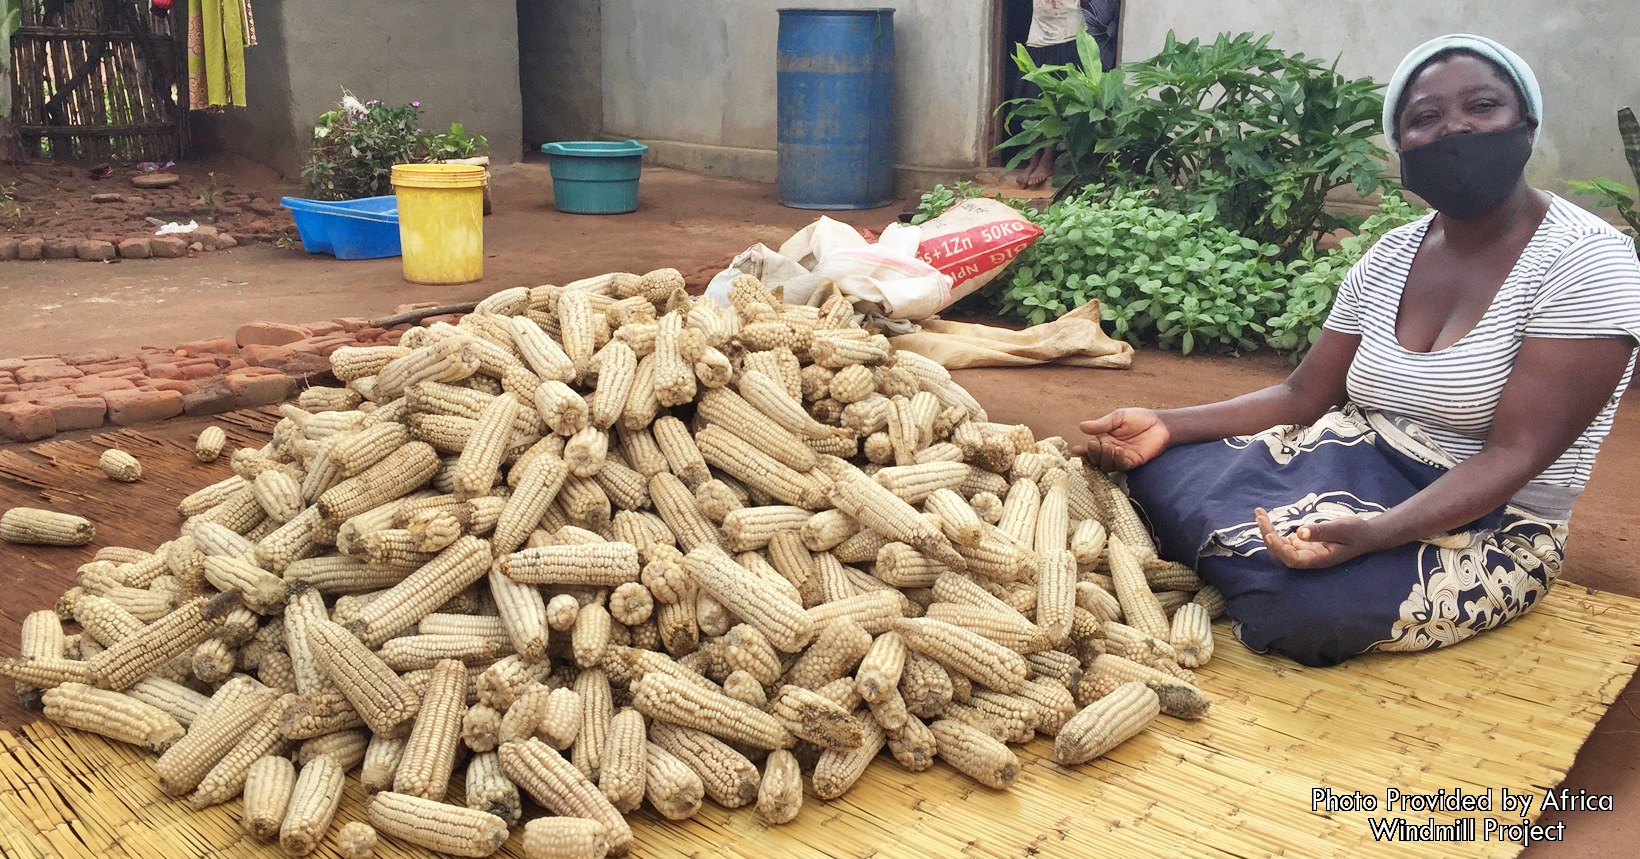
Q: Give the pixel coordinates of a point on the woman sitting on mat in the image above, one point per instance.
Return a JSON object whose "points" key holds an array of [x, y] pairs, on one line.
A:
{"points": [[1408, 485]]}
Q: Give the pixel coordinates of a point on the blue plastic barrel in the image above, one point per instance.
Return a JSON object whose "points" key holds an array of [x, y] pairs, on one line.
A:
{"points": [[835, 90]]}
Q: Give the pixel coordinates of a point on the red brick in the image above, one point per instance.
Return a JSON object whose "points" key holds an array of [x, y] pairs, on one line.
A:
{"points": [[44, 371], [135, 407], [36, 394], [322, 345], [353, 323], [305, 365], [319, 329], [167, 247], [95, 356], [368, 334], [179, 385], [95, 385], [214, 346], [209, 400], [49, 383], [269, 334], [258, 371], [26, 422], [260, 390], [39, 359], [74, 413], [258, 355], [390, 338], [117, 373], [9, 364], [231, 365]]}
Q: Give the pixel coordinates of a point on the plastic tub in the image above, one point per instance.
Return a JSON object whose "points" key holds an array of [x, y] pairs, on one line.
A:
{"points": [[441, 221], [347, 229], [595, 177]]}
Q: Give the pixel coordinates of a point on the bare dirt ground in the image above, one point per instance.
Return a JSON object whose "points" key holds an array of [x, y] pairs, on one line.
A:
{"points": [[696, 223]]}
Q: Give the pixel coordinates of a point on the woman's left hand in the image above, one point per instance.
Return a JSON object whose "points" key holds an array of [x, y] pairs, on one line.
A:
{"points": [[1324, 544]]}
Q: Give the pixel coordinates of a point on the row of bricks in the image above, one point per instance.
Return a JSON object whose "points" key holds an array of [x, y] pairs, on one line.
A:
{"points": [[37, 419]]}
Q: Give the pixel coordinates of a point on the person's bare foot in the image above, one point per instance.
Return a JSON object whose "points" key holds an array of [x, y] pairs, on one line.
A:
{"points": [[1037, 176]]}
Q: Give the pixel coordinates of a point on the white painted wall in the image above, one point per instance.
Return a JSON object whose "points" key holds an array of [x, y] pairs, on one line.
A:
{"points": [[1585, 53], [696, 80]]}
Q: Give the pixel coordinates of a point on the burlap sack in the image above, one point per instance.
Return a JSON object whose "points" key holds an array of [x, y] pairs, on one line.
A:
{"points": [[1075, 339]]}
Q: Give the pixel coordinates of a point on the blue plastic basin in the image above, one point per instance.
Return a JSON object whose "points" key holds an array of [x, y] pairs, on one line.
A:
{"points": [[595, 177], [347, 229]]}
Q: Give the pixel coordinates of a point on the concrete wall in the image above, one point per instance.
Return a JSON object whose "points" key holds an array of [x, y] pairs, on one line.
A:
{"points": [[459, 59], [1582, 53], [560, 70], [696, 81]]}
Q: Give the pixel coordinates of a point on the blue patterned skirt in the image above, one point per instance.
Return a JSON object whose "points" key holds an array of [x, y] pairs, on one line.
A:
{"points": [[1199, 500]]}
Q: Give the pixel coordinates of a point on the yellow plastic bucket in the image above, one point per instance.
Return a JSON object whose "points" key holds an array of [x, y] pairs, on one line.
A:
{"points": [[441, 221]]}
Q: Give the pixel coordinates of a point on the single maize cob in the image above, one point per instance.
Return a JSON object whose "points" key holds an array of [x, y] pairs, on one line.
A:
{"points": [[743, 687], [780, 793], [523, 615], [1056, 593], [460, 565], [346, 747], [1210, 599], [381, 762], [957, 517], [350, 363], [816, 718], [836, 348], [717, 499], [112, 715], [782, 407], [751, 528], [542, 353], [631, 604], [119, 465], [429, 755], [565, 838], [213, 660], [263, 592], [1139, 604], [674, 376], [561, 715], [750, 597], [481, 727], [903, 433], [999, 556], [427, 822], [1179, 699], [380, 697], [978, 756], [826, 529], [356, 840], [1106, 723], [670, 785], [183, 704], [180, 631], [597, 565], [1019, 512], [307, 716], [313, 804], [874, 611], [448, 360], [597, 708], [487, 788], [269, 784], [913, 745], [838, 770], [45, 527], [400, 473], [641, 405], [728, 777], [968, 652], [914, 483], [583, 501], [621, 770], [44, 672], [209, 444], [1192, 635], [1172, 576], [480, 460], [563, 789], [664, 698], [1005, 627], [1119, 516], [564, 411], [590, 637], [683, 457], [878, 675], [862, 547], [1097, 601], [585, 450], [681, 512]]}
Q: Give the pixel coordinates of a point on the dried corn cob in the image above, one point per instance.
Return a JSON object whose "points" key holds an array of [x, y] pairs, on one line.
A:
{"points": [[268, 787], [727, 776], [1139, 604], [558, 785], [119, 465], [380, 697], [1106, 723], [112, 715], [980, 757], [44, 527], [429, 755], [488, 789], [313, 804]]}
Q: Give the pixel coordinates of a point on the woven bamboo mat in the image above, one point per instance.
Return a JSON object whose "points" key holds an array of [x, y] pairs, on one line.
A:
{"points": [[1507, 710]]}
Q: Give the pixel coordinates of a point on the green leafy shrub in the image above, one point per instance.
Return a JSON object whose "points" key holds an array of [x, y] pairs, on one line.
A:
{"points": [[1610, 192], [1178, 279], [1248, 134], [1175, 279], [356, 145]]}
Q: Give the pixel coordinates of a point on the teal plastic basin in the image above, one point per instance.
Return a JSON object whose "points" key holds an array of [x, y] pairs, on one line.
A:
{"points": [[595, 177]]}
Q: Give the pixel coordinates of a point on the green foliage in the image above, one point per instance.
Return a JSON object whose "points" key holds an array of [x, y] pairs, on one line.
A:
{"points": [[1179, 280], [11, 211], [935, 202], [1612, 193], [1313, 279], [1248, 134], [11, 16], [356, 145]]}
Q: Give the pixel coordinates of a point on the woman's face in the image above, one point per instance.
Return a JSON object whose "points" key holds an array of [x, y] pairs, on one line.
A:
{"points": [[1462, 94]]}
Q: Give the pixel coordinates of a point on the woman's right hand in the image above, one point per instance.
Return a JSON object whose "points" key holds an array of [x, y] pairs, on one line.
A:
{"points": [[1124, 439]]}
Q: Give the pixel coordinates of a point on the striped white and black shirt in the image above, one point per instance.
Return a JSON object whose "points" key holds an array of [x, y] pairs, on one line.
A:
{"points": [[1577, 278]]}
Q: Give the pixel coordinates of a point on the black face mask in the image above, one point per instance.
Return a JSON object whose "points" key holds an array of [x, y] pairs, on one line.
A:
{"points": [[1463, 175]]}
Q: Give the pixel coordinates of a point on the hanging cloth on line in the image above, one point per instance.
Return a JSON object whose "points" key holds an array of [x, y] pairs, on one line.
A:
{"points": [[218, 31]]}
